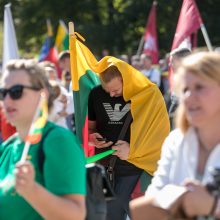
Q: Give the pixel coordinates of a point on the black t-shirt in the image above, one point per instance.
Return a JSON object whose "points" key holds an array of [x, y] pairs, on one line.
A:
{"points": [[110, 114]]}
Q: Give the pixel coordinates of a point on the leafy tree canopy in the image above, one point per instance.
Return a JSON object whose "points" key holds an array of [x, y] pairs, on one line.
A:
{"points": [[115, 25]]}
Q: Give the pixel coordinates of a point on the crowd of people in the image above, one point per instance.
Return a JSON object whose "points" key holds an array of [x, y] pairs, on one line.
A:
{"points": [[172, 136]]}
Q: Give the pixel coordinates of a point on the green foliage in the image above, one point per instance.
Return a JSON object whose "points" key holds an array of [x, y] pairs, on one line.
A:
{"points": [[115, 25], [1, 39]]}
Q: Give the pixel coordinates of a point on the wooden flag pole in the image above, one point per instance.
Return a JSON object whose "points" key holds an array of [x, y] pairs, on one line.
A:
{"points": [[140, 46], [71, 28], [206, 37]]}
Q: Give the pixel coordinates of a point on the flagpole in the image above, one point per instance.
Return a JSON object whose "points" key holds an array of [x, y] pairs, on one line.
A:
{"points": [[71, 28], [206, 37], [140, 46]]}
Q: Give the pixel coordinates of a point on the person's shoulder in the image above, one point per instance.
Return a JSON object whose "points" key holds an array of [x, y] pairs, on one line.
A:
{"points": [[10, 140], [174, 137], [56, 131], [176, 133], [97, 89]]}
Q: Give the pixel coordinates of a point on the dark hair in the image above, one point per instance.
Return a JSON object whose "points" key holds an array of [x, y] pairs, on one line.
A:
{"points": [[180, 52], [63, 55], [109, 74]]}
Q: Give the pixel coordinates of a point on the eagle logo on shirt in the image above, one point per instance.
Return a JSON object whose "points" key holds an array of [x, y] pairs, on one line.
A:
{"points": [[116, 113]]}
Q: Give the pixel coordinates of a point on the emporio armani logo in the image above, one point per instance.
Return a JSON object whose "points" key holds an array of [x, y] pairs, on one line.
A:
{"points": [[116, 114]]}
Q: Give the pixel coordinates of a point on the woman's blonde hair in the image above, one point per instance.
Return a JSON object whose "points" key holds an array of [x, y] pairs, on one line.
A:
{"points": [[205, 65], [35, 72]]}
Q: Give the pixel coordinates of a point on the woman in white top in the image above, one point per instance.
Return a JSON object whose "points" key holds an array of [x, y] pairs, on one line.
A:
{"points": [[194, 147]]}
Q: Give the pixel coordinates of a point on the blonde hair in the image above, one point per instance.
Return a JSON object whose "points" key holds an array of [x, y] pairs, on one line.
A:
{"points": [[205, 65], [35, 72]]}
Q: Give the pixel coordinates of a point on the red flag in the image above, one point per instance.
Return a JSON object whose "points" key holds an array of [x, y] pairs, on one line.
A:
{"points": [[189, 21], [52, 56], [150, 36]]}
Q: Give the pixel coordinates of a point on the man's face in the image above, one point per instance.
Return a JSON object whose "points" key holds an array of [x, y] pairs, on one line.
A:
{"points": [[114, 87], [64, 64]]}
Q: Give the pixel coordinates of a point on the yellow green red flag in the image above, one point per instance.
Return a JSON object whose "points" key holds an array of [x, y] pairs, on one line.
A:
{"points": [[37, 127], [62, 37]]}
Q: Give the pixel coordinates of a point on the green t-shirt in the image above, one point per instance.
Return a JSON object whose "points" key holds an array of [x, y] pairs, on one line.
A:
{"points": [[63, 171]]}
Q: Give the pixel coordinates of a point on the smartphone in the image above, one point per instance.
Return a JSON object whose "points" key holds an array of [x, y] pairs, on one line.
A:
{"points": [[101, 139]]}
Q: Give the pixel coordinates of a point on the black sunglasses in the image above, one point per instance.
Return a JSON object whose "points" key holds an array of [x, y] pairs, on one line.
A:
{"points": [[15, 92]]}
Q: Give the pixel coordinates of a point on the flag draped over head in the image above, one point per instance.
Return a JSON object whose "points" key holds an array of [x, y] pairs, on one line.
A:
{"points": [[150, 123], [10, 47], [150, 36], [189, 22], [62, 37]]}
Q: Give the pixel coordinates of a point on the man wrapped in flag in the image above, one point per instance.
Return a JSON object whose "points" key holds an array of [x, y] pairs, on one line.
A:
{"points": [[42, 168], [122, 89]]}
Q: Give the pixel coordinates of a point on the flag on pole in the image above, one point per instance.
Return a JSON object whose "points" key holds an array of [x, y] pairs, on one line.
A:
{"points": [[189, 22], [150, 36], [48, 50], [10, 46], [62, 38], [45, 49], [36, 130], [83, 80]]}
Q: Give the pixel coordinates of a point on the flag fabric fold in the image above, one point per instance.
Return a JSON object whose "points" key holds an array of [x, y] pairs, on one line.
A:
{"points": [[189, 22], [10, 46], [150, 124], [150, 36]]}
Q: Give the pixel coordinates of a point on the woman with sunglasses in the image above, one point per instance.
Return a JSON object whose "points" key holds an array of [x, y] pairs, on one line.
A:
{"points": [[51, 183], [193, 148]]}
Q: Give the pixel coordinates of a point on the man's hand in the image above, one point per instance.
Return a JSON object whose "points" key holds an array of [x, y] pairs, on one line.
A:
{"points": [[93, 140], [122, 149]]}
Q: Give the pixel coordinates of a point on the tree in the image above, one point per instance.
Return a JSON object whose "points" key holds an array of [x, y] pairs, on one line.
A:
{"points": [[115, 25]]}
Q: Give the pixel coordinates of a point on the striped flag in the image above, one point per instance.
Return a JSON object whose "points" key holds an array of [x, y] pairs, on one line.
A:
{"points": [[83, 80], [62, 37]]}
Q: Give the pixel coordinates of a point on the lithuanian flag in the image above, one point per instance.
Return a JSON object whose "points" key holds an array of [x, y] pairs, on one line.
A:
{"points": [[150, 124], [37, 127], [83, 80]]}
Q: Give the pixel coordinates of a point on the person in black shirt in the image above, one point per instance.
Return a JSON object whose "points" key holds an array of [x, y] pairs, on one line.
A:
{"points": [[107, 111]]}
